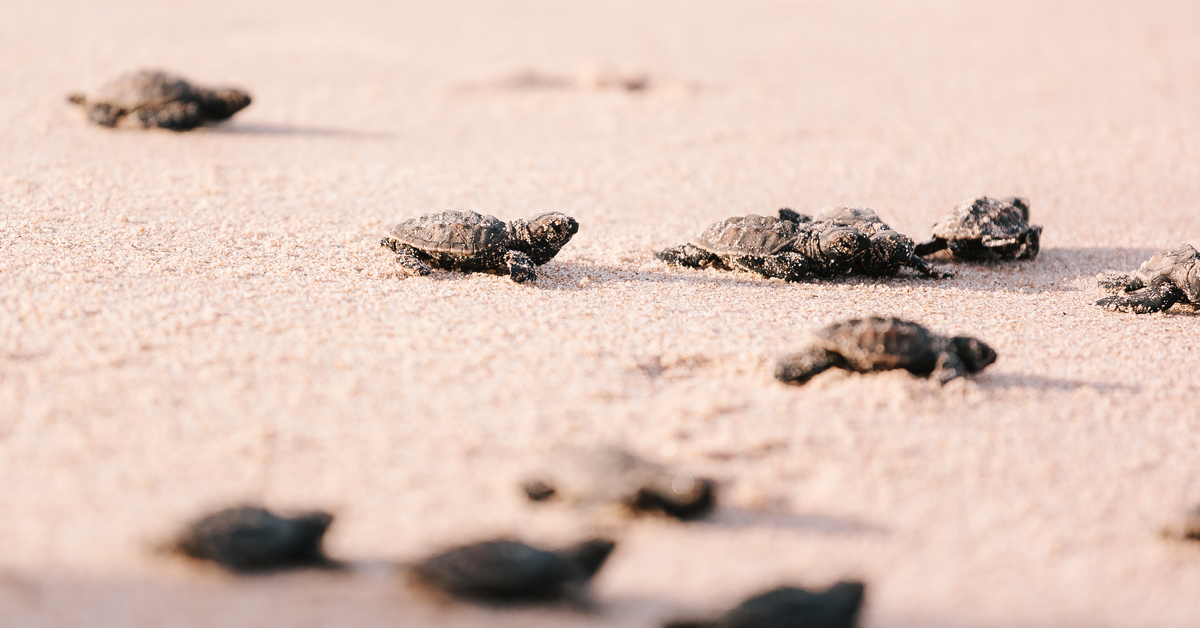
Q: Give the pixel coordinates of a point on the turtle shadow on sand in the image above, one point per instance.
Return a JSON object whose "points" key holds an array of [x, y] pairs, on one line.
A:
{"points": [[1022, 380], [579, 277], [291, 130], [1055, 270], [740, 518]]}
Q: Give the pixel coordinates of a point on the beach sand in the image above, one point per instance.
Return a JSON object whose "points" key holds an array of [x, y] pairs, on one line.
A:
{"points": [[198, 319]]}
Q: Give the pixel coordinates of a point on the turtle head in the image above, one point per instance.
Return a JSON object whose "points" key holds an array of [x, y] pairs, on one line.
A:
{"points": [[589, 556], [974, 353], [548, 233], [220, 104]]}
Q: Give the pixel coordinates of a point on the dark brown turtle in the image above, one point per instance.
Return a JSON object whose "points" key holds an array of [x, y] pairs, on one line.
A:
{"points": [[1187, 528], [881, 344], [249, 538], [611, 475], [471, 242], [1168, 278], [986, 229], [786, 247], [888, 251], [791, 607], [507, 570], [152, 98]]}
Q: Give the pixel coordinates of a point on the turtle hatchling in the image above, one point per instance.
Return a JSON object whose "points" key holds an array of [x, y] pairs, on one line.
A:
{"points": [[248, 538], [888, 250], [787, 247], [508, 570], [152, 98], [986, 229], [1187, 528], [471, 242], [791, 607], [1168, 278], [611, 475], [880, 344]]}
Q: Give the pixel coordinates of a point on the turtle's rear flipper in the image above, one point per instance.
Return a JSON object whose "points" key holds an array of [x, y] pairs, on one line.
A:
{"points": [[521, 268], [930, 247], [797, 369], [1144, 301]]}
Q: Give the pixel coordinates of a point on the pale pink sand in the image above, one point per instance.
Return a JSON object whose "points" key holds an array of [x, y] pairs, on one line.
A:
{"points": [[188, 320]]}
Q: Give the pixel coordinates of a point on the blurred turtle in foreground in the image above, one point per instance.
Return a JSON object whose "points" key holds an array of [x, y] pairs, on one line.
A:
{"points": [[249, 538], [1168, 278], [986, 229], [611, 475], [505, 570], [791, 607], [471, 242], [152, 98], [881, 344]]}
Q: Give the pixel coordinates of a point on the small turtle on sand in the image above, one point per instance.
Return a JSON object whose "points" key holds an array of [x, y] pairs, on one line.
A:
{"points": [[787, 247], [472, 242], [505, 570], [248, 538], [889, 250], [986, 229], [1168, 278], [1187, 528], [791, 607], [611, 475], [156, 99], [881, 344]]}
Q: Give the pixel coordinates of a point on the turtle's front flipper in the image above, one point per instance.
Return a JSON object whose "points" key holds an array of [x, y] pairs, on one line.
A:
{"points": [[1152, 299], [407, 259], [798, 368], [521, 268], [948, 367], [1031, 243], [105, 115], [1119, 282], [930, 247], [176, 116], [919, 265], [687, 255], [786, 266]]}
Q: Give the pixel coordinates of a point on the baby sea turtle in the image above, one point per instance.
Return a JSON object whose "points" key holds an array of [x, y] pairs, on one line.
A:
{"points": [[881, 344], [1187, 528], [787, 247], [986, 229], [153, 98], [1168, 278], [472, 242], [611, 475], [791, 607], [507, 570], [888, 251], [248, 538]]}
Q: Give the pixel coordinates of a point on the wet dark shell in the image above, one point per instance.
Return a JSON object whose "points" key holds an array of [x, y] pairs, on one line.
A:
{"points": [[985, 219], [505, 569], [878, 343], [248, 538], [458, 233], [748, 235]]}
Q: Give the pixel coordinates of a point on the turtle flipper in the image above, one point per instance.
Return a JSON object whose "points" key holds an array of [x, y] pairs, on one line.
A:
{"points": [[408, 261], [521, 268], [948, 367], [798, 368], [1031, 243], [932, 246], [1119, 282], [175, 116], [688, 255], [919, 265], [786, 266], [1144, 301], [105, 115]]}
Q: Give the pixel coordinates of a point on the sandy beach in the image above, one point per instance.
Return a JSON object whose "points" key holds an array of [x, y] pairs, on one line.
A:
{"points": [[191, 320]]}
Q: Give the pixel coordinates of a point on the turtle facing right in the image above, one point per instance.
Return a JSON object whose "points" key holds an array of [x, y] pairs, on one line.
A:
{"points": [[509, 570], [1168, 278], [986, 229], [249, 539], [791, 607], [888, 251], [881, 344], [153, 98]]}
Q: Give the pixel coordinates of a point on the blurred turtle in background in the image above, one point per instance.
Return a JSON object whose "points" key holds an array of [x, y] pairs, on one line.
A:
{"points": [[790, 607], [249, 538], [986, 229], [156, 99]]}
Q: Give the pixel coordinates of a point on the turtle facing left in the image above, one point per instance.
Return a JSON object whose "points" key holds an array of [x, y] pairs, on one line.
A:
{"points": [[471, 242], [1168, 278], [156, 99], [791, 607]]}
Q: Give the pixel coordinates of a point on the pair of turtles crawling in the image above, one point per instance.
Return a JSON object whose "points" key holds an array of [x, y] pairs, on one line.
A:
{"points": [[250, 539]]}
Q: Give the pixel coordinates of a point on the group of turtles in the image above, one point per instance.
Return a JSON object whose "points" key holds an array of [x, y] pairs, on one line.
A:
{"points": [[250, 539]]}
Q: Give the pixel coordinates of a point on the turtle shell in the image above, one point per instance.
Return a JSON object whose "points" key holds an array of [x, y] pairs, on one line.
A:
{"points": [[748, 235], [878, 343], [862, 218], [142, 89], [985, 219], [1180, 266], [457, 233]]}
